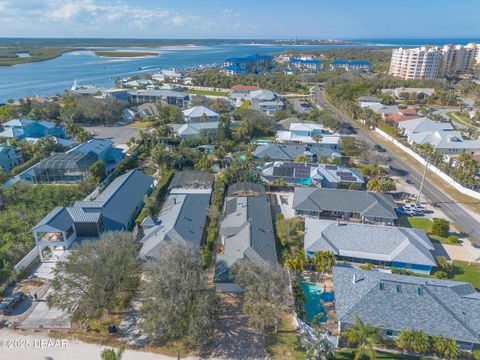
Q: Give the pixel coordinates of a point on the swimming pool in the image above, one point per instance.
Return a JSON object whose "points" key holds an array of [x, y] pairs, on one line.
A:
{"points": [[314, 295]]}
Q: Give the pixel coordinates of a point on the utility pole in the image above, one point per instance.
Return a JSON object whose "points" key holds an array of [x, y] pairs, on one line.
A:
{"points": [[421, 184]]}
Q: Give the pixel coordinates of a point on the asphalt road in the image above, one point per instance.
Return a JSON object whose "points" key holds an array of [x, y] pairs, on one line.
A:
{"points": [[468, 224]]}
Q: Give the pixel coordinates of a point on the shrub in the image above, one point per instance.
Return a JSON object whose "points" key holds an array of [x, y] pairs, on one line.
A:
{"points": [[440, 275], [440, 227], [452, 239]]}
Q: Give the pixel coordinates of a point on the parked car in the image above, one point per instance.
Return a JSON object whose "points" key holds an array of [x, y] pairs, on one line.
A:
{"points": [[410, 182], [379, 148], [9, 303], [420, 207]]}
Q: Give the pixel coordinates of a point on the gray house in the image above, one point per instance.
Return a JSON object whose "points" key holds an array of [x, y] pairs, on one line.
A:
{"points": [[291, 152], [10, 157], [363, 206], [390, 246], [183, 214], [445, 308], [115, 209], [247, 233]]}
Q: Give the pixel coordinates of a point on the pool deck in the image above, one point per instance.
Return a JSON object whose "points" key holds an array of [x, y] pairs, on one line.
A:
{"points": [[324, 282]]}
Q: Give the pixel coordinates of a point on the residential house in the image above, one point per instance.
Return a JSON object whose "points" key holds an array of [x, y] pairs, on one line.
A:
{"points": [[360, 206], [391, 302], [423, 124], [104, 150], [167, 75], [402, 115], [114, 209], [380, 109], [193, 130], [254, 64], [246, 232], [307, 133], [10, 157], [183, 215], [285, 152], [142, 111], [266, 101], [242, 92], [319, 175], [199, 114], [74, 165], [387, 246], [446, 142], [24, 129], [355, 66], [168, 97]]}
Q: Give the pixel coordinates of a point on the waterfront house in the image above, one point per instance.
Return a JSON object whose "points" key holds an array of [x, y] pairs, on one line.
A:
{"points": [[114, 209], [246, 232], [391, 302], [354, 66], [168, 97], [24, 129], [199, 114], [319, 175], [386, 246], [10, 157], [286, 152], [254, 64], [360, 206]]}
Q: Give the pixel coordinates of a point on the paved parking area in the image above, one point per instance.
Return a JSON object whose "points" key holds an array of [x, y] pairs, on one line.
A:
{"points": [[120, 134], [44, 317]]}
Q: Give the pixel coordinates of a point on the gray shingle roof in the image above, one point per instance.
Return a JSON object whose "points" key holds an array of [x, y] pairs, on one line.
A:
{"points": [[59, 219], [445, 308], [192, 179], [182, 217], [248, 233], [371, 242], [245, 187], [290, 152], [365, 203]]}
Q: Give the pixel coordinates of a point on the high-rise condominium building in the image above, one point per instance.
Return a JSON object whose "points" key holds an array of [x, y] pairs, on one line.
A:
{"points": [[431, 62]]}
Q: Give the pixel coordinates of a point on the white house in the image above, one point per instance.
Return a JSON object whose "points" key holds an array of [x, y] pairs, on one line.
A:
{"points": [[192, 130], [306, 133], [199, 114], [415, 126]]}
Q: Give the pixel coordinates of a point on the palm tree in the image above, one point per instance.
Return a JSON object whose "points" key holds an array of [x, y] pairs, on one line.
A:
{"points": [[420, 342], [317, 138], [445, 348], [364, 336], [296, 262], [324, 261], [111, 354], [317, 345]]}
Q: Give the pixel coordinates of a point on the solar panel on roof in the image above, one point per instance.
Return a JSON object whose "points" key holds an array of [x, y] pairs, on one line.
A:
{"points": [[331, 167], [302, 173], [348, 178], [343, 173]]}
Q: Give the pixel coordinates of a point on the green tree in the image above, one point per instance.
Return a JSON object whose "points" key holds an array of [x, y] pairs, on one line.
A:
{"points": [[97, 277], [296, 261], [317, 346], [111, 354], [97, 170], [381, 185], [179, 303], [414, 340], [302, 159], [363, 336], [440, 227], [267, 293]]}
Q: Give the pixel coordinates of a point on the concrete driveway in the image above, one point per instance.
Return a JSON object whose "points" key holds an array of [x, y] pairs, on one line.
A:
{"points": [[119, 134]]}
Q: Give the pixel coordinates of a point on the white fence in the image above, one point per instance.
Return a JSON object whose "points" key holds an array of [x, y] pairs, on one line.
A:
{"points": [[432, 168], [27, 260]]}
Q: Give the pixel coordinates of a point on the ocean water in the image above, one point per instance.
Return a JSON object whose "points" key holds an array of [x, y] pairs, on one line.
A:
{"points": [[49, 77]]}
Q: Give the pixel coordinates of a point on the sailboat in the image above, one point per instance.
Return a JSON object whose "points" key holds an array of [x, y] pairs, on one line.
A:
{"points": [[74, 86]]}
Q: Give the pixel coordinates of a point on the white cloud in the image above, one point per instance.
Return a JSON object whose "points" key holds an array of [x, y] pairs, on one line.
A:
{"points": [[230, 13]]}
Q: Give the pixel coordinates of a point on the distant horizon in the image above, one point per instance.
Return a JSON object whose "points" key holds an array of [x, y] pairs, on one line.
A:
{"points": [[306, 38]]}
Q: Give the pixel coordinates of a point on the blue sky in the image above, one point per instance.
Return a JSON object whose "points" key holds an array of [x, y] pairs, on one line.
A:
{"points": [[241, 19]]}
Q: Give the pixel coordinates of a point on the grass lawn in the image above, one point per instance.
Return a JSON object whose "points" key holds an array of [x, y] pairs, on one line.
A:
{"points": [[285, 343], [207, 92], [422, 224], [461, 118], [140, 125], [462, 271], [349, 355], [246, 105], [389, 129]]}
